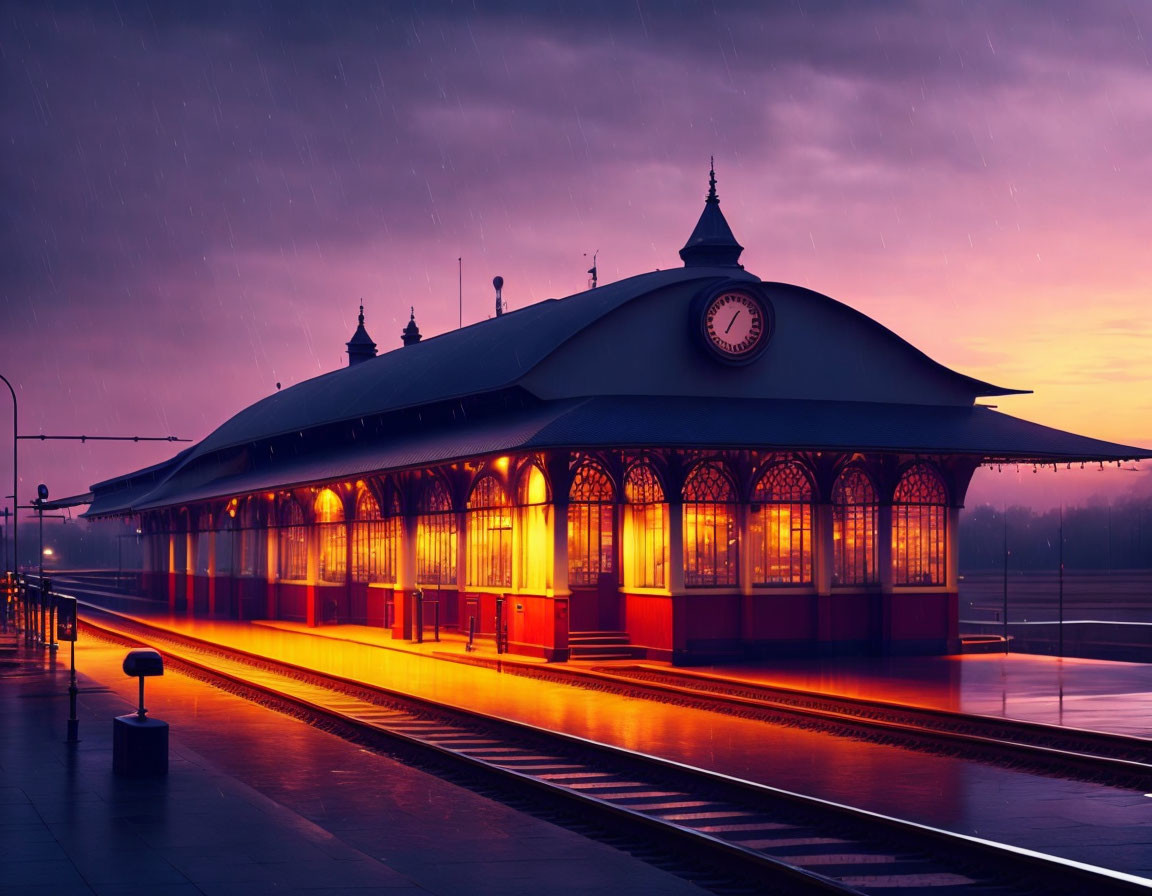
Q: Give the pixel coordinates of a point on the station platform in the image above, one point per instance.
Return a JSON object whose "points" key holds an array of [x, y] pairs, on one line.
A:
{"points": [[1083, 821], [1098, 695], [254, 802]]}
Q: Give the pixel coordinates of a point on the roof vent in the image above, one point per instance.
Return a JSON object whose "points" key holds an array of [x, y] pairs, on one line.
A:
{"points": [[498, 282]]}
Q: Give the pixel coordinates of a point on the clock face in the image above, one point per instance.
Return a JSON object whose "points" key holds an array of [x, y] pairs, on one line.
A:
{"points": [[735, 325]]}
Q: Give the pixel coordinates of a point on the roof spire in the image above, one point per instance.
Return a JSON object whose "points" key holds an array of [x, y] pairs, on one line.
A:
{"points": [[711, 243], [411, 334], [360, 346]]}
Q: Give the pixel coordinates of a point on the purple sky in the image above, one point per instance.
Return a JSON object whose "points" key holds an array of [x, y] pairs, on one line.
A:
{"points": [[197, 195]]}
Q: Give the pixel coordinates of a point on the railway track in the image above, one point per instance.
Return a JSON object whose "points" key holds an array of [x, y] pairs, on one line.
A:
{"points": [[1113, 759], [753, 835]]}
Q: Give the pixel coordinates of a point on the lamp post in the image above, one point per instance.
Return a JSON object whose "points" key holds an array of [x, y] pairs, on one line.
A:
{"points": [[15, 544]]}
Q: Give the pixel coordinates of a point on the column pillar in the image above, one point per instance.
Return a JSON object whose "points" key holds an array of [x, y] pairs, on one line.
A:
{"points": [[882, 639], [211, 571], [312, 609], [406, 578], [744, 547], [171, 570], [561, 593], [271, 568], [823, 548], [952, 577], [674, 578], [191, 542]]}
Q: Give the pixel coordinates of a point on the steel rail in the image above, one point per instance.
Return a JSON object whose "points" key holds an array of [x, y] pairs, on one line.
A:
{"points": [[1001, 865], [1068, 753], [1062, 751]]}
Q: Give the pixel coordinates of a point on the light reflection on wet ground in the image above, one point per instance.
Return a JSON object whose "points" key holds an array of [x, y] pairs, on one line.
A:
{"points": [[258, 802], [1099, 825], [1095, 694]]}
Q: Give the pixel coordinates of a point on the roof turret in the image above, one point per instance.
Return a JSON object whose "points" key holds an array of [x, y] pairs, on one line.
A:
{"points": [[411, 334], [360, 346], [711, 243]]}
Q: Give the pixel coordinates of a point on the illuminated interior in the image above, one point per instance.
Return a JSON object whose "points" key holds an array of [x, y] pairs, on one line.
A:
{"points": [[488, 527], [332, 531], [919, 505], [780, 527], [435, 536], [534, 548], [711, 545], [375, 540], [292, 543], [591, 525], [253, 540], [854, 523], [645, 529]]}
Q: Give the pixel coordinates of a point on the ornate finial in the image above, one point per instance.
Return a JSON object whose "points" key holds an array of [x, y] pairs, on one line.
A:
{"points": [[411, 333], [711, 243], [360, 346]]}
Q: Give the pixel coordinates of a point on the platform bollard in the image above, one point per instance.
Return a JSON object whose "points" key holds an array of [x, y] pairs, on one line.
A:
{"points": [[140, 744], [66, 631], [418, 615]]}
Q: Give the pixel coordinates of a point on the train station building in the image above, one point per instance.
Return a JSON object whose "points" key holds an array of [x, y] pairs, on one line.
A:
{"points": [[688, 465]]}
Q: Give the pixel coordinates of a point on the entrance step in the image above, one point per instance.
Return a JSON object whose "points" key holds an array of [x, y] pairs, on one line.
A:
{"points": [[597, 646], [982, 643]]}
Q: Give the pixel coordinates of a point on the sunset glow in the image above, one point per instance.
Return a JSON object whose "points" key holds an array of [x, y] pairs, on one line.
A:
{"points": [[199, 202]]}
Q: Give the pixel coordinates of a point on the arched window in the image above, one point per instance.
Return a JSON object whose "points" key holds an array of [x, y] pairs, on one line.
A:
{"points": [[489, 532], [781, 527], [710, 544], [292, 543], [333, 533], [646, 527], [206, 533], [253, 541], [180, 529], [375, 539], [535, 551], [854, 512], [919, 505], [591, 525], [435, 536], [225, 535]]}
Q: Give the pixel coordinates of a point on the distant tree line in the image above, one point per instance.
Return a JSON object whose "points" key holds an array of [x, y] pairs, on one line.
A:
{"points": [[76, 544], [1097, 537]]}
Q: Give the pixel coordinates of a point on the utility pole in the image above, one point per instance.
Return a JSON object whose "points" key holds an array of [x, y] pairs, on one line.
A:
{"points": [[15, 479]]}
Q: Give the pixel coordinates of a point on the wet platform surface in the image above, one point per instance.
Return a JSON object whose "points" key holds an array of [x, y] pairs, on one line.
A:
{"points": [[1106, 826], [1097, 695], [255, 802]]}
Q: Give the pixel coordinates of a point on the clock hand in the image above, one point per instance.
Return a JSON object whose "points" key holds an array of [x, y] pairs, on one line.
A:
{"points": [[729, 327]]}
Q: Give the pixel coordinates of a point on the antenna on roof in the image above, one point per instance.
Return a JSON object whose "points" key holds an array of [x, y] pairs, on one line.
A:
{"points": [[592, 278], [498, 282], [460, 289]]}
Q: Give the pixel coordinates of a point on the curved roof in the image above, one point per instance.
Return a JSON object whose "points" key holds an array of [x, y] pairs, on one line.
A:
{"points": [[616, 365]]}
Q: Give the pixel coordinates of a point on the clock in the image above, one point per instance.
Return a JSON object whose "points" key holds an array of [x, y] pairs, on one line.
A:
{"points": [[735, 324]]}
